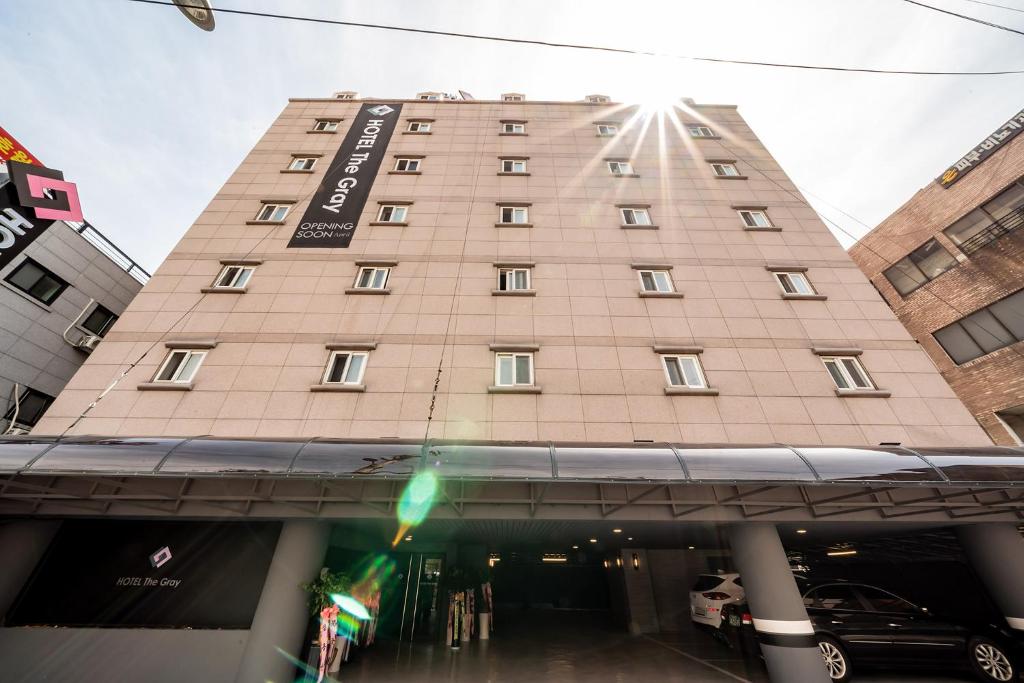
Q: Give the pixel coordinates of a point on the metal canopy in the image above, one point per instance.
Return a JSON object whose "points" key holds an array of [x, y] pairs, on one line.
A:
{"points": [[332, 478]]}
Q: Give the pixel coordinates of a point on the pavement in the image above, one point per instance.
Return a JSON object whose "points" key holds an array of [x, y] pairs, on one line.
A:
{"points": [[571, 646]]}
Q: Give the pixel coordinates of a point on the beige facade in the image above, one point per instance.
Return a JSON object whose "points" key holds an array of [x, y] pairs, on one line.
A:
{"points": [[598, 373]]}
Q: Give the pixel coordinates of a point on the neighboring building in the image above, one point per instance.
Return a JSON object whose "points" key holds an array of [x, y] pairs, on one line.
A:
{"points": [[623, 345], [58, 299], [950, 263]]}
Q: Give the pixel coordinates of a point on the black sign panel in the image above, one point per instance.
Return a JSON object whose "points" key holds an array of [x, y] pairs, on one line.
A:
{"points": [[333, 213], [18, 226], [988, 146], [171, 574]]}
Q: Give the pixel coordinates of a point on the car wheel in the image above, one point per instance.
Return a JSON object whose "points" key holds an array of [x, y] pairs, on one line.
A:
{"points": [[837, 664], [990, 662]]}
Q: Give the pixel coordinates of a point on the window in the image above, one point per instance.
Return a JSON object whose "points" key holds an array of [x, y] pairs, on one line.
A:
{"points": [[847, 372], [684, 371], [512, 97], [754, 218], [513, 128], [371, 277], [513, 369], [607, 130], [30, 407], [513, 165], [794, 283], [882, 601], [620, 168], [429, 96], [598, 99], [234, 277], [180, 367], [922, 265], [993, 219], [37, 282], [407, 164], [513, 279], [635, 216], [390, 213], [325, 126], [99, 321], [723, 169], [273, 213], [984, 331], [655, 281], [302, 164], [345, 367], [833, 597], [700, 132], [513, 214], [418, 127]]}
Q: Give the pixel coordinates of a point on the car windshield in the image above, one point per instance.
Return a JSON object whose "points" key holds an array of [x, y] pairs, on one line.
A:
{"points": [[706, 582]]}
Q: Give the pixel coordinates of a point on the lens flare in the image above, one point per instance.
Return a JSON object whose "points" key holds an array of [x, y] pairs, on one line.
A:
{"points": [[351, 606], [416, 502]]}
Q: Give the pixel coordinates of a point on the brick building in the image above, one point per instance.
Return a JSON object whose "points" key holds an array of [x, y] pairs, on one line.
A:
{"points": [[950, 262]]}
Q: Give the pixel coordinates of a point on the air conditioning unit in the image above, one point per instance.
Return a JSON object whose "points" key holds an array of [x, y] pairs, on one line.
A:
{"points": [[17, 430], [89, 342]]}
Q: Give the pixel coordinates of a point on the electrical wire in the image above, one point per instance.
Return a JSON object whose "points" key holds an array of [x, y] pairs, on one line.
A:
{"points": [[593, 48], [992, 4], [965, 17]]}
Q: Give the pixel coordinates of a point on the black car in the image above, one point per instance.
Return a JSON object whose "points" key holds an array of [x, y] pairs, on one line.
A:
{"points": [[858, 624]]}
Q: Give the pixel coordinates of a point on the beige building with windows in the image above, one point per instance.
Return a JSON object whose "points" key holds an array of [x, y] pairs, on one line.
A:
{"points": [[578, 271]]}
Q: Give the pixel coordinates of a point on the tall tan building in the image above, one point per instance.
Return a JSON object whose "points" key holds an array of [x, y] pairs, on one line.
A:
{"points": [[580, 271]]}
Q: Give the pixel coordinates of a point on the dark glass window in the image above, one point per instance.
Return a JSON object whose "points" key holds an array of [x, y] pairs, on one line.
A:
{"points": [[882, 601], [833, 597], [31, 406], [99, 321], [36, 281], [925, 263], [706, 582], [984, 331]]}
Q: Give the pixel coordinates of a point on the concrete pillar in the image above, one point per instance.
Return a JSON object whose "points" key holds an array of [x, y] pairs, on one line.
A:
{"points": [[996, 551], [22, 544], [275, 640], [783, 629]]}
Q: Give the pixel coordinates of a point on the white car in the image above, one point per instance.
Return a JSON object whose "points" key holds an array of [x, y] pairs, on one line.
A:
{"points": [[710, 593]]}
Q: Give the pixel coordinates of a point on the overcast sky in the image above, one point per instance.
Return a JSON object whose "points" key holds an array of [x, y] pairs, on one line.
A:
{"points": [[150, 115]]}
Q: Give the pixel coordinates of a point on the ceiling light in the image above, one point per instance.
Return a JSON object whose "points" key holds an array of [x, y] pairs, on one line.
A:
{"points": [[841, 553], [593, 540], [408, 538], [616, 531], [690, 547], [801, 531], [575, 547], [630, 538]]}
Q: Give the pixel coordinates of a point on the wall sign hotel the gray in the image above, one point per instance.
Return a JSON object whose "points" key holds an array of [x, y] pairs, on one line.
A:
{"points": [[988, 146], [333, 213]]}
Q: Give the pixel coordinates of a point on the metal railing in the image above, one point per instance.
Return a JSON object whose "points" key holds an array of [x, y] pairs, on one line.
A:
{"points": [[1003, 226], [97, 239]]}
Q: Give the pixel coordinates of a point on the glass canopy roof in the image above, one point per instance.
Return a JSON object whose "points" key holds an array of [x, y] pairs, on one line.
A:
{"points": [[515, 461]]}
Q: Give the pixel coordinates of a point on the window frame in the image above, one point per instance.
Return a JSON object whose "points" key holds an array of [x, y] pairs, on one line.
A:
{"points": [[612, 132], [243, 274], [724, 166], [26, 394], [326, 125], [700, 128], [966, 330], [619, 164], [653, 272], [349, 354], [420, 126], [271, 209], [412, 164], [514, 355], [373, 270], [667, 358], [916, 263], [513, 127], [752, 213], [793, 276], [634, 211], [839, 362], [511, 162], [507, 274], [176, 376], [111, 318], [45, 272], [514, 210], [300, 160], [395, 209]]}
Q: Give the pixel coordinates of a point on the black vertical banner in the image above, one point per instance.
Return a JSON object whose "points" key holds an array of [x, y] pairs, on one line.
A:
{"points": [[333, 213]]}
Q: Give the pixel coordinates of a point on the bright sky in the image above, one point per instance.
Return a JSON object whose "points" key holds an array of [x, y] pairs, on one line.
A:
{"points": [[150, 115]]}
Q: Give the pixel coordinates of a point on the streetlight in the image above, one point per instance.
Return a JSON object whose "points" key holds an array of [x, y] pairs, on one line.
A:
{"points": [[199, 12]]}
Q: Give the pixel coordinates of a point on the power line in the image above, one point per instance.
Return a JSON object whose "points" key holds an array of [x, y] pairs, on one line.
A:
{"points": [[964, 16], [991, 4], [594, 48]]}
